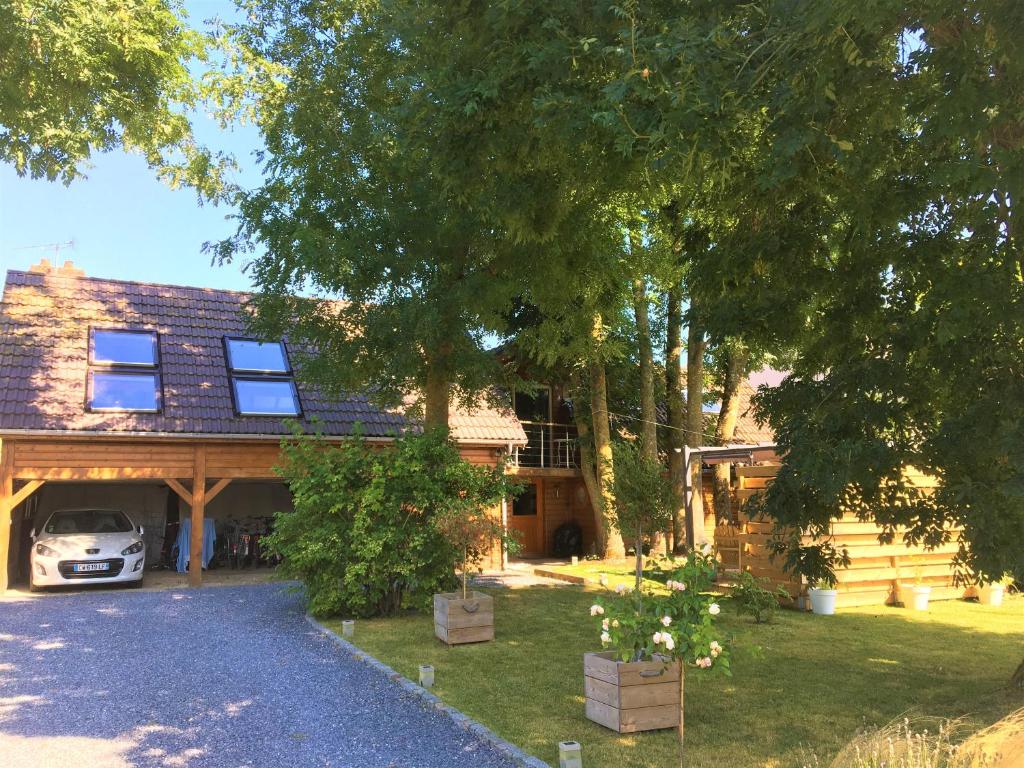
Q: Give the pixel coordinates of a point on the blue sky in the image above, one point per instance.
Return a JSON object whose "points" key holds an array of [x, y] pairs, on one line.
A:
{"points": [[124, 223]]}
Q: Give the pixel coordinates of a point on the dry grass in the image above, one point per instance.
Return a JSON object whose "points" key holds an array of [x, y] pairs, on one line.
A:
{"points": [[932, 743]]}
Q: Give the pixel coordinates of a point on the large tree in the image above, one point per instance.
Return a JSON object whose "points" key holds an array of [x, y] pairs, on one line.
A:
{"points": [[79, 77], [406, 280], [912, 297]]}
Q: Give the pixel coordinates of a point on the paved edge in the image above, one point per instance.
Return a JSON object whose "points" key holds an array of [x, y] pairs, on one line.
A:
{"points": [[482, 732], [568, 578]]}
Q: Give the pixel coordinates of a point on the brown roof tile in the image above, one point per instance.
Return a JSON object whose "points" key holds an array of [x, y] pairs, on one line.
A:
{"points": [[44, 329]]}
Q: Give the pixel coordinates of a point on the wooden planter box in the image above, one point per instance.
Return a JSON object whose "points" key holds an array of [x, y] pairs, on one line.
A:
{"points": [[631, 696], [463, 621]]}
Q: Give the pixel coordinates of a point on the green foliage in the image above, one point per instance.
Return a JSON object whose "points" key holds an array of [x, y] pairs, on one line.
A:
{"points": [[363, 536], [643, 496], [754, 600], [85, 76], [472, 529], [639, 625]]}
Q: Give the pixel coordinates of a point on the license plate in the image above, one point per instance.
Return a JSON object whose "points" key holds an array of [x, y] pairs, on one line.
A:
{"points": [[84, 567]]}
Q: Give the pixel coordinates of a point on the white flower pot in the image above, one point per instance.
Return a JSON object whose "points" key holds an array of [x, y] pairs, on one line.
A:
{"points": [[991, 594], [921, 595], [823, 601]]}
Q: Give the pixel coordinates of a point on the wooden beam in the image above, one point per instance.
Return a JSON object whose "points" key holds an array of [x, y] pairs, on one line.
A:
{"points": [[6, 493], [219, 486], [195, 562], [24, 492], [179, 489]]}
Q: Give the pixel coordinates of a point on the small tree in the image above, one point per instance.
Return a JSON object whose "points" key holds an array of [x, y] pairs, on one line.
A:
{"points": [[466, 524], [643, 499]]}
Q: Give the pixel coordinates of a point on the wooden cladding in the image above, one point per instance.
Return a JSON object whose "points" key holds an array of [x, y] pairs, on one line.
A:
{"points": [[877, 574], [139, 460]]}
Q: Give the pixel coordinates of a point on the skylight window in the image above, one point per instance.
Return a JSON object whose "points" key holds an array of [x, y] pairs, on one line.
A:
{"points": [[247, 355], [261, 379], [109, 347], [124, 371]]}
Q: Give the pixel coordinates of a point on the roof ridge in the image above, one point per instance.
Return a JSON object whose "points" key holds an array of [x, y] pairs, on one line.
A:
{"points": [[140, 283]]}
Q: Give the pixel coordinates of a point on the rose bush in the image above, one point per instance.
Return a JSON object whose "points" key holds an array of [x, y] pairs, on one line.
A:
{"points": [[641, 625]]}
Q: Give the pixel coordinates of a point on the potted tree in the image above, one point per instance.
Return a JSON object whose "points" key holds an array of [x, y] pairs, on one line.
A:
{"points": [[635, 683], [467, 616], [649, 638]]}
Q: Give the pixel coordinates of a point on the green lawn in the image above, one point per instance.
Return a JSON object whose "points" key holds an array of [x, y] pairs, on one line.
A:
{"points": [[615, 571], [802, 683]]}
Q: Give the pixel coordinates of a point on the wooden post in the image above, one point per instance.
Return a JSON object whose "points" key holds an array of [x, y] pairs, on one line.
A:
{"points": [[682, 703], [195, 561], [6, 494]]}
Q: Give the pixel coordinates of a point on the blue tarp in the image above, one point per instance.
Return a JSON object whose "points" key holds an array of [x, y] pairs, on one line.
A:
{"points": [[185, 542]]}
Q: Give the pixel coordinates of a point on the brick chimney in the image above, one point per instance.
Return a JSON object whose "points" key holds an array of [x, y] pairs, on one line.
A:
{"points": [[44, 267]]}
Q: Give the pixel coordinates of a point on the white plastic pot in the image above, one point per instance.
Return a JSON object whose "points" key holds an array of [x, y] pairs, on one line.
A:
{"points": [[823, 601], [991, 594], [921, 595]]}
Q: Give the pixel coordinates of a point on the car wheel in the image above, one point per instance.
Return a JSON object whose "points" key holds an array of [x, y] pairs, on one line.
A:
{"points": [[136, 584]]}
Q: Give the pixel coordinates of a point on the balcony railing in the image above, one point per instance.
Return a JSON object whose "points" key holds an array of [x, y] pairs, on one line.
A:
{"points": [[548, 446]]}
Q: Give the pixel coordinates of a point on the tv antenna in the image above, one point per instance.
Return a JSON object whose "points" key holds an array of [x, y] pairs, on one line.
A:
{"points": [[55, 247]]}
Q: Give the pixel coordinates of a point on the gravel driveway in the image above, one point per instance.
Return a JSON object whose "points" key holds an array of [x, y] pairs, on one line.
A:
{"points": [[227, 676]]}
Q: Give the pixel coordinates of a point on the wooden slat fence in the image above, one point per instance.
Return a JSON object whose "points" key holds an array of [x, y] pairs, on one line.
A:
{"points": [[878, 574]]}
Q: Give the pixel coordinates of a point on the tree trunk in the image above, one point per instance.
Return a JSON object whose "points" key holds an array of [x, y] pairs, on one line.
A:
{"points": [[736, 357], [613, 547], [437, 394], [648, 412], [676, 410], [588, 468], [695, 437]]}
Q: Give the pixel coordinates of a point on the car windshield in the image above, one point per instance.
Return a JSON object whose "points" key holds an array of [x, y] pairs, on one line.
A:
{"points": [[88, 521]]}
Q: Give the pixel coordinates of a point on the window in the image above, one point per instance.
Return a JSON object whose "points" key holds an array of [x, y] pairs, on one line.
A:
{"points": [[533, 407], [122, 348], [88, 521], [123, 371], [261, 379], [245, 355]]}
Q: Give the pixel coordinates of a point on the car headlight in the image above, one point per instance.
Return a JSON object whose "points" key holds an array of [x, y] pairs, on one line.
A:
{"points": [[135, 548], [45, 551]]}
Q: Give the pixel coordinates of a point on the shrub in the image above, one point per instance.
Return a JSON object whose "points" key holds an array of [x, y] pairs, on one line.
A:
{"points": [[362, 536], [754, 600], [637, 625]]}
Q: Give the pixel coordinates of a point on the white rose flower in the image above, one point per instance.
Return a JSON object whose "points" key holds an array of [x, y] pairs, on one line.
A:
{"points": [[715, 646], [669, 642], [666, 620], [596, 610], [657, 638], [605, 638], [604, 625], [714, 610]]}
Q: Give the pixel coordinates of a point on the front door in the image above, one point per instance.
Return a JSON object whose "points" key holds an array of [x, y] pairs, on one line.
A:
{"points": [[526, 520]]}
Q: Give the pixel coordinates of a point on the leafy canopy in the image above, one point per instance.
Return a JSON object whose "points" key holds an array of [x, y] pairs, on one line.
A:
{"points": [[85, 76]]}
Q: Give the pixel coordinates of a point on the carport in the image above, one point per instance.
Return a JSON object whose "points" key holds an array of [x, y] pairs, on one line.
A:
{"points": [[198, 472]]}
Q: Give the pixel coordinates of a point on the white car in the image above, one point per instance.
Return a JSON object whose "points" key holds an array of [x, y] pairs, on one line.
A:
{"points": [[87, 546]]}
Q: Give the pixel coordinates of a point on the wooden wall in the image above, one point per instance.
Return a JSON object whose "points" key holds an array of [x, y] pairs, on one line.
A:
{"points": [[566, 500], [878, 574]]}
